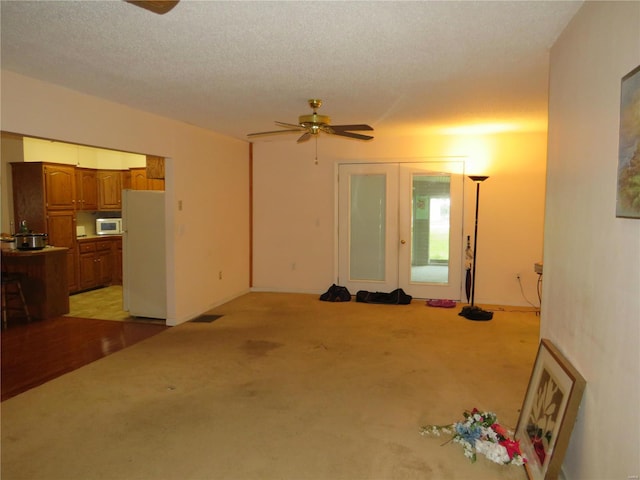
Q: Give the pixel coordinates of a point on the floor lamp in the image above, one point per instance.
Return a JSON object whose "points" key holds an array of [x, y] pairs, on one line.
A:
{"points": [[471, 312]]}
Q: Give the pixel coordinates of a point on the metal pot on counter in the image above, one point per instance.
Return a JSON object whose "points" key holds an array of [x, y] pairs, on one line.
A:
{"points": [[31, 241]]}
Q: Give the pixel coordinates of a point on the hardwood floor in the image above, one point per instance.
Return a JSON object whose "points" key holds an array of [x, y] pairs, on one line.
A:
{"points": [[35, 353]]}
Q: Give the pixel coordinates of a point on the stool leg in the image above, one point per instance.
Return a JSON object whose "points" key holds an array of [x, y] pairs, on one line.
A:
{"points": [[24, 303]]}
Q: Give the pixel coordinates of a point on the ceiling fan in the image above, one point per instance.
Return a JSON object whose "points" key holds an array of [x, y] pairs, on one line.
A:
{"points": [[313, 124], [156, 6]]}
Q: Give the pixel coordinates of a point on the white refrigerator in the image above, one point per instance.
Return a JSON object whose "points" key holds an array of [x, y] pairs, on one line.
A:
{"points": [[144, 284]]}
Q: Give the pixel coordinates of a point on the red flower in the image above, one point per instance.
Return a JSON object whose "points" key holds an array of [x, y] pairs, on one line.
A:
{"points": [[512, 446], [500, 430]]}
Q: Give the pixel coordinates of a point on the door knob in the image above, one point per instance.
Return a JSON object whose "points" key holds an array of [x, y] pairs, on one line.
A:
{"points": [[403, 242]]}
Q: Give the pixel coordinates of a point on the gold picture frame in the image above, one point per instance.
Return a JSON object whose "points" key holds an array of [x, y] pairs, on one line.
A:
{"points": [[627, 196], [548, 412]]}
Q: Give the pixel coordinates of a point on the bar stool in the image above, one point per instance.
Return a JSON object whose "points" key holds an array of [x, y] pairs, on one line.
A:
{"points": [[12, 297]]}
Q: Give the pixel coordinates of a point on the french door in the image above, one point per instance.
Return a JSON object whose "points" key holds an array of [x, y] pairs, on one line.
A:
{"points": [[400, 226]]}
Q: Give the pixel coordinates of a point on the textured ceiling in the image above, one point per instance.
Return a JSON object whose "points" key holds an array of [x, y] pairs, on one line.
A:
{"points": [[237, 66]]}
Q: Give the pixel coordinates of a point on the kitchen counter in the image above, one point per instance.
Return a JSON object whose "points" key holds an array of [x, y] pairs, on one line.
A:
{"points": [[97, 237], [43, 277], [32, 253]]}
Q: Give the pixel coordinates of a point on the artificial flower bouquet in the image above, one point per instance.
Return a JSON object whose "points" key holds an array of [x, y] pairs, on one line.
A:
{"points": [[481, 433]]}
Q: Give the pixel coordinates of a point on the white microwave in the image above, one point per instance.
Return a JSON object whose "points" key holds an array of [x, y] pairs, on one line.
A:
{"points": [[109, 226]]}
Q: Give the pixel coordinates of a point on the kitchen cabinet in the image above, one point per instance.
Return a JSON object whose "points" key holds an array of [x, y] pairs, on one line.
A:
{"points": [[109, 189], [155, 167], [44, 196], [40, 187], [95, 263], [61, 231], [140, 181], [138, 178], [155, 183], [116, 243], [60, 186], [86, 189]]}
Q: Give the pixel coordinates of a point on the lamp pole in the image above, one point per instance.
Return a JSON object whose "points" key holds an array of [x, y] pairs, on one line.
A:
{"points": [[472, 312], [478, 179]]}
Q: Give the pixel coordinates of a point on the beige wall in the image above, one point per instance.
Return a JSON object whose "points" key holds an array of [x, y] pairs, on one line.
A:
{"points": [[591, 292], [208, 172], [294, 201], [37, 149]]}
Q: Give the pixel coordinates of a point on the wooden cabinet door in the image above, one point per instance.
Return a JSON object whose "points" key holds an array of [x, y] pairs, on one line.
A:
{"points": [[28, 195], [61, 228], [61, 232], [60, 187], [104, 261], [117, 261], [138, 178], [86, 189], [155, 183], [88, 270], [109, 190], [87, 265]]}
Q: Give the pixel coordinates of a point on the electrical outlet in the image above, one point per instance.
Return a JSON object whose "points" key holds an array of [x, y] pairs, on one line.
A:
{"points": [[220, 275], [517, 276]]}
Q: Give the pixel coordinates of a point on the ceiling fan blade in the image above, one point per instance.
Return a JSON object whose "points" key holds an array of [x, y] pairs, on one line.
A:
{"points": [[156, 6], [289, 125], [358, 136], [305, 136], [274, 132], [351, 127]]}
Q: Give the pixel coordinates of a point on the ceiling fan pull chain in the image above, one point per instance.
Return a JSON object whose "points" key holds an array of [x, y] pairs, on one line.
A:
{"points": [[316, 149]]}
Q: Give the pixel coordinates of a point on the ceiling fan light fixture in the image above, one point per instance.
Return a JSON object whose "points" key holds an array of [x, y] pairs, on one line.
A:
{"points": [[313, 120]]}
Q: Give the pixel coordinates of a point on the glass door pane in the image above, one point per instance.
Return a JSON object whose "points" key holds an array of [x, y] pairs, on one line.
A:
{"points": [[368, 227], [430, 229]]}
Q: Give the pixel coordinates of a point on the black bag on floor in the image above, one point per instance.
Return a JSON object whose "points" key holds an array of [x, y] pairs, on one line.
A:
{"points": [[396, 297], [336, 293]]}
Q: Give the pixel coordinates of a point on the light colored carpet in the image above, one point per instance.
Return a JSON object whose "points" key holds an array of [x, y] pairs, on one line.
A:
{"points": [[282, 386]]}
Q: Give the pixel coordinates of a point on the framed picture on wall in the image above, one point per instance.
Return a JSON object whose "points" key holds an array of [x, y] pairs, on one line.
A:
{"points": [[549, 411], [628, 191]]}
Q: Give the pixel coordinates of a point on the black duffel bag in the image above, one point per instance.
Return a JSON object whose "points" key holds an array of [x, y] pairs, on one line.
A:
{"points": [[396, 297], [336, 293]]}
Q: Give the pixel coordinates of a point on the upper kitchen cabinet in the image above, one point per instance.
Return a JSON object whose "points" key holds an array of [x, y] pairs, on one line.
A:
{"points": [[109, 190], [140, 180], [40, 187], [60, 186], [86, 189], [155, 172]]}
